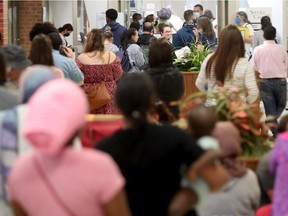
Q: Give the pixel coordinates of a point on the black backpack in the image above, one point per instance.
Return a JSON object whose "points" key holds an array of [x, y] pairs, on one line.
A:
{"points": [[124, 57]]}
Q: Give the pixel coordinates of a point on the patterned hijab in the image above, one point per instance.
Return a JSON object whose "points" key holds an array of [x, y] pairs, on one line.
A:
{"points": [[230, 143]]}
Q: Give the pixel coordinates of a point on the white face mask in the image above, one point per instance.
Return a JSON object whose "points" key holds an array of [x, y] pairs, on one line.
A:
{"points": [[141, 21], [196, 15]]}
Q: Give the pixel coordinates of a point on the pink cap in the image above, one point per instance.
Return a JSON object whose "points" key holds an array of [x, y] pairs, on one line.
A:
{"points": [[55, 112]]}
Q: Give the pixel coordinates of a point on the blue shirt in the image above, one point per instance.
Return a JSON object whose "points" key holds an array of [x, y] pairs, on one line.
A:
{"points": [[68, 66]]}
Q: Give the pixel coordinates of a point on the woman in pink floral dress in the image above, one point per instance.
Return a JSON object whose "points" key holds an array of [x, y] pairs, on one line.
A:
{"points": [[97, 65]]}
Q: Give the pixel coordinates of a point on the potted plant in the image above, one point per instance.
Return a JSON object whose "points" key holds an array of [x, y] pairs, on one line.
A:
{"points": [[189, 60], [230, 106]]}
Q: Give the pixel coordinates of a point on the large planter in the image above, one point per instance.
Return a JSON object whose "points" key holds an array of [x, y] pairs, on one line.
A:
{"points": [[189, 83]]}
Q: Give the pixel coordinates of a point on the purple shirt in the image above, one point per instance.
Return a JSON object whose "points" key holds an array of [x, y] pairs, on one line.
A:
{"points": [[270, 60]]}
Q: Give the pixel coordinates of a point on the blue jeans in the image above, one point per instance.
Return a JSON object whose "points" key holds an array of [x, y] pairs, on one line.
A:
{"points": [[273, 93]]}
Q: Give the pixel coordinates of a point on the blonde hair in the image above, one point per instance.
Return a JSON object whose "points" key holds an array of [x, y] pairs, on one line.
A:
{"points": [[94, 42]]}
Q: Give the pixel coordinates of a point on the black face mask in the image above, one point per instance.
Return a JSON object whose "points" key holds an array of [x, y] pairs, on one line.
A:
{"points": [[66, 35]]}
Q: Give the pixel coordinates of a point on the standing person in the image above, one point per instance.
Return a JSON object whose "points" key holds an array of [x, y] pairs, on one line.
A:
{"points": [[97, 65], [145, 38], [137, 17], [41, 53], [185, 35], [108, 40], [54, 161], [65, 31], [17, 62], [116, 28], [241, 194], [135, 53], [198, 11], [8, 98], [165, 32], [154, 20], [166, 77], [278, 166], [149, 155], [258, 38], [242, 21], [204, 33], [270, 61], [67, 65], [233, 70]]}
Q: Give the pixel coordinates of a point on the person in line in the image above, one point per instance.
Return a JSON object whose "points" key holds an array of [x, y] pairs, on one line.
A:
{"points": [[240, 195], [12, 141], [137, 18], [271, 62], [54, 161], [97, 65], [166, 77], [148, 154], [116, 28], [108, 40], [145, 38], [8, 97], [258, 38], [185, 36], [134, 51], [42, 28], [198, 11], [204, 33], [41, 53], [17, 62], [154, 20], [65, 31], [68, 66], [242, 21], [165, 32], [233, 70]]}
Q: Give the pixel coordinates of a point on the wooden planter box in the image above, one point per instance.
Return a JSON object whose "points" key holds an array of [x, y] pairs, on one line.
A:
{"points": [[251, 162], [189, 83]]}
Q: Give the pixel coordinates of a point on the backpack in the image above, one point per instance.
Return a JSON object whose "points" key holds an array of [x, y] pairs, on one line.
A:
{"points": [[125, 61], [145, 51]]}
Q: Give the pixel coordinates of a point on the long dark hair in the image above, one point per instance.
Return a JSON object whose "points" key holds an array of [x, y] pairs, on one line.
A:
{"points": [[230, 49], [41, 50], [135, 96], [127, 37], [207, 26]]}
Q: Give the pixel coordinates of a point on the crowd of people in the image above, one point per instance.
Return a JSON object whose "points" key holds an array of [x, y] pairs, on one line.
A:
{"points": [[150, 166]]}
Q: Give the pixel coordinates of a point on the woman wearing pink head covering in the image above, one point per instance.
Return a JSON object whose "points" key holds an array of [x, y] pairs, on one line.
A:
{"points": [[278, 165], [49, 181], [241, 194]]}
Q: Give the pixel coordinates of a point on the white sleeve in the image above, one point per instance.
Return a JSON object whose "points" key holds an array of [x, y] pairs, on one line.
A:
{"points": [[201, 80]]}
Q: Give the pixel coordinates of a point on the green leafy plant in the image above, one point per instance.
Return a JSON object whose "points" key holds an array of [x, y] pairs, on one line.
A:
{"points": [[230, 106], [191, 61]]}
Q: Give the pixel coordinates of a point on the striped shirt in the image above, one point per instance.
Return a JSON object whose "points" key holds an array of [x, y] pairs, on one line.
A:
{"points": [[243, 77]]}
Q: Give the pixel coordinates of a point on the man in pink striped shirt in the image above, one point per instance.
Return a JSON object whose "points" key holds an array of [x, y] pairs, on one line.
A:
{"points": [[270, 61]]}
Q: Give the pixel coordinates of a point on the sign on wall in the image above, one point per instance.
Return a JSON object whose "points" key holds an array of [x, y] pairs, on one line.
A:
{"points": [[256, 13]]}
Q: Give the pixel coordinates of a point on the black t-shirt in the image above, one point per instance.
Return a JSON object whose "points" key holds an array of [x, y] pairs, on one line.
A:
{"points": [[150, 161]]}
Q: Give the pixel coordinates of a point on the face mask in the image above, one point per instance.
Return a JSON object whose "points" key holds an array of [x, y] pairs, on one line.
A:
{"points": [[196, 15], [237, 20], [200, 31], [66, 35], [141, 21]]}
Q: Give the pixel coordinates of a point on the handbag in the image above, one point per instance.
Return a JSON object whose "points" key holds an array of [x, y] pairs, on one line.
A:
{"points": [[98, 96]]}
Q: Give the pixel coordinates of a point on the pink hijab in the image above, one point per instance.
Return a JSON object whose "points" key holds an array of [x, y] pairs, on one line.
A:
{"points": [[55, 112], [230, 143]]}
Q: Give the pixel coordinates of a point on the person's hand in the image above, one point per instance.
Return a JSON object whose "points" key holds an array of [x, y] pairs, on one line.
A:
{"points": [[68, 52], [195, 31]]}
